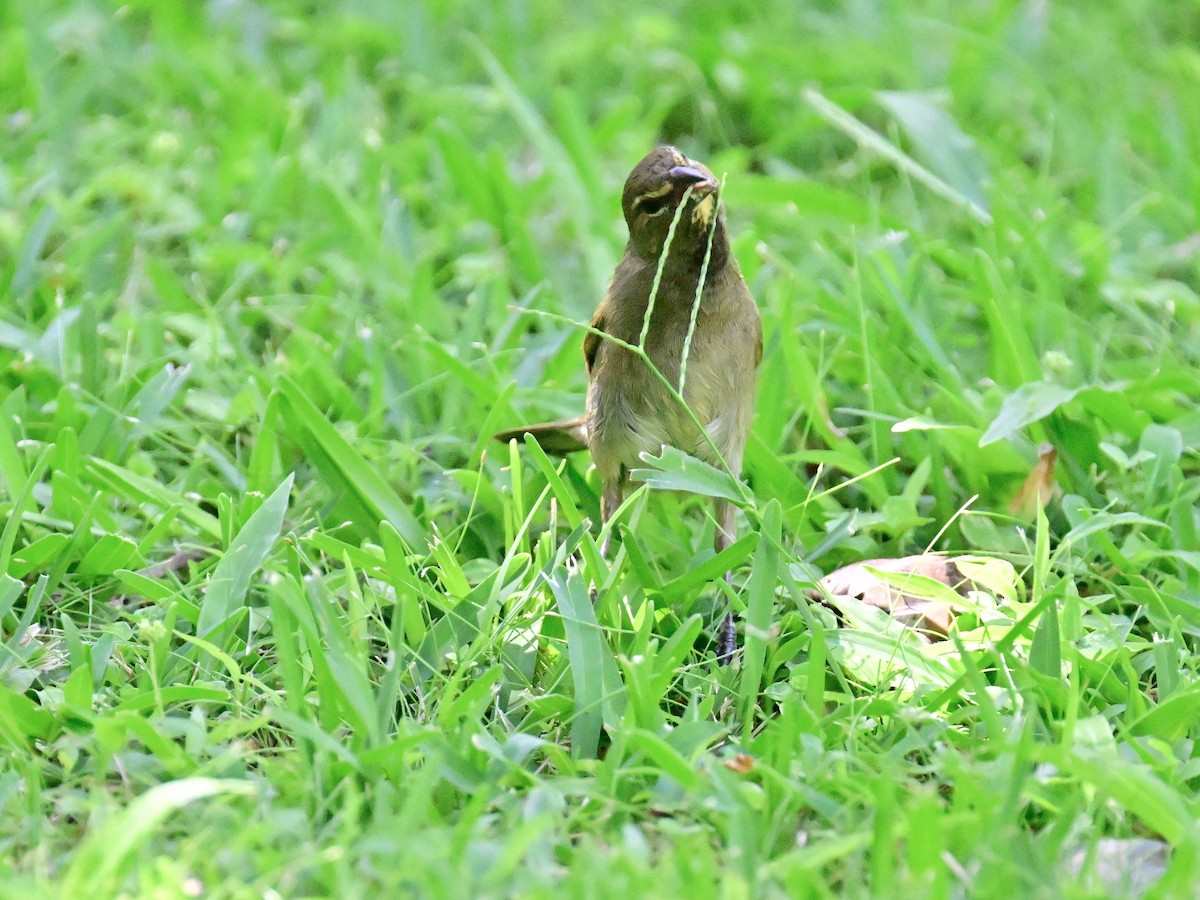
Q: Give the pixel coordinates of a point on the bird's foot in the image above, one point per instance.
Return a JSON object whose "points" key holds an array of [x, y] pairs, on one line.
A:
{"points": [[727, 641]]}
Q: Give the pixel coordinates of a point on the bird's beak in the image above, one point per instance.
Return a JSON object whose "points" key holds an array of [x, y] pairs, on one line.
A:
{"points": [[700, 183]]}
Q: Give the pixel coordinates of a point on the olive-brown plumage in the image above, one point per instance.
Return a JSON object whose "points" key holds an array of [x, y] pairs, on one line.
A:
{"points": [[629, 411]]}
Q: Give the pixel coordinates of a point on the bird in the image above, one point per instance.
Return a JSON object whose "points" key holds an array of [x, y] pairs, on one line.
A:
{"points": [[676, 224]]}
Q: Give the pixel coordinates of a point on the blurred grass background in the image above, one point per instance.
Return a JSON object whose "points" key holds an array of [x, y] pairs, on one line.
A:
{"points": [[267, 273]]}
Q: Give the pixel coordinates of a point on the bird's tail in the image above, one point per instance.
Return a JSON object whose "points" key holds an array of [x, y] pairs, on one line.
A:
{"points": [[560, 438]]}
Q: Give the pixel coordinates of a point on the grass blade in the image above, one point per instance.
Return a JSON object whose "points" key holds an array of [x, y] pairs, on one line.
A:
{"points": [[872, 140], [231, 578], [107, 852], [593, 669], [345, 467], [764, 577]]}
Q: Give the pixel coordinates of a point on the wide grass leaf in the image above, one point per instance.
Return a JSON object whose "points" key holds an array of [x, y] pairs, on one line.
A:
{"points": [[764, 578], [593, 669], [1135, 787], [674, 470], [1173, 718], [941, 142], [231, 578], [107, 853], [1031, 403], [875, 142], [344, 468], [22, 722]]}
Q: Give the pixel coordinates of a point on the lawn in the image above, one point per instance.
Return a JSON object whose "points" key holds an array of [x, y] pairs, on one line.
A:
{"points": [[280, 619]]}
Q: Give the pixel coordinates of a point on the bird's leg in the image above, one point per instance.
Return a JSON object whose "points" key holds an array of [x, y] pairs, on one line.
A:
{"points": [[612, 492], [722, 538]]}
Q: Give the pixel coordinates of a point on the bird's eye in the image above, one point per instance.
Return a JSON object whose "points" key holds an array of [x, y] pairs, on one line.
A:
{"points": [[652, 206]]}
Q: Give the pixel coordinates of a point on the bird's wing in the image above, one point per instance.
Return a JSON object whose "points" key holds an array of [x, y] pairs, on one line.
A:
{"points": [[758, 339], [591, 341]]}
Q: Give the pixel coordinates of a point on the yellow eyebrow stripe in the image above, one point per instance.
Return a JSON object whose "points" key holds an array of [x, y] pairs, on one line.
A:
{"points": [[657, 192]]}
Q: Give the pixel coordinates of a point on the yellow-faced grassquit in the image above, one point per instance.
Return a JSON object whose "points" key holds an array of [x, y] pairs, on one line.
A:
{"points": [[629, 410]]}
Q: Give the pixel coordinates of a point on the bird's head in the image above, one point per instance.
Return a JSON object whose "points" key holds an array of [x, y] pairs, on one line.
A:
{"points": [[653, 192]]}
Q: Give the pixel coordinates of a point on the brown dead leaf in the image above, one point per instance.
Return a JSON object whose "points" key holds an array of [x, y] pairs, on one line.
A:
{"points": [[930, 617], [176, 562], [1038, 487], [742, 763]]}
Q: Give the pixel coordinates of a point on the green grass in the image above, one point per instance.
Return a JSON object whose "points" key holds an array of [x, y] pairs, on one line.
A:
{"points": [[269, 283]]}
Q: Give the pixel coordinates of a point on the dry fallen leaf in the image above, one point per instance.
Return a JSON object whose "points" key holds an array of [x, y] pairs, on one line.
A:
{"points": [[175, 563], [1123, 867], [919, 591], [742, 763], [1038, 487]]}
